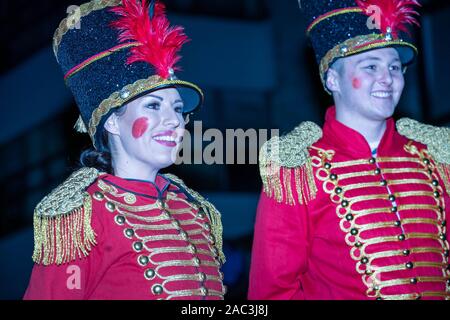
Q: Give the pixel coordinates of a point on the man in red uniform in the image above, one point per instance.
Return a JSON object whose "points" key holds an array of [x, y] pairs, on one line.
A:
{"points": [[356, 209], [117, 228]]}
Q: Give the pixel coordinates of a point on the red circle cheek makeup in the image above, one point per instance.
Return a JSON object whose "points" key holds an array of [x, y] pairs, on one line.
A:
{"points": [[356, 83], [140, 126]]}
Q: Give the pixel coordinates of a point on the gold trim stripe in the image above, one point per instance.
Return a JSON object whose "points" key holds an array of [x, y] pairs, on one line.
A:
{"points": [[404, 170], [410, 296], [331, 14], [188, 277], [378, 225], [351, 163], [70, 21], [366, 173], [398, 159], [196, 292], [435, 294]]}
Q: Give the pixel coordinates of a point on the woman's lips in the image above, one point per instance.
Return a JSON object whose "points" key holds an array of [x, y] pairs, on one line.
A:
{"points": [[166, 138]]}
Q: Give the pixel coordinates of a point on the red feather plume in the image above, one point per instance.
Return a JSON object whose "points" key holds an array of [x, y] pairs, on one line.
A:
{"points": [[160, 41], [396, 14]]}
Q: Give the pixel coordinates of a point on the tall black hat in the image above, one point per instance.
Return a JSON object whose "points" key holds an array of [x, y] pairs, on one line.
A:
{"points": [[114, 51], [340, 28]]}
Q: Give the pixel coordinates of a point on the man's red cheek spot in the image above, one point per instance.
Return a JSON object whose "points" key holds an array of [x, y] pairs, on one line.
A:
{"points": [[356, 83], [139, 127]]}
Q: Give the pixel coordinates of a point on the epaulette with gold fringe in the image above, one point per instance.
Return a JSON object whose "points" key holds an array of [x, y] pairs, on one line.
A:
{"points": [[62, 221], [213, 214], [437, 140], [285, 162]]}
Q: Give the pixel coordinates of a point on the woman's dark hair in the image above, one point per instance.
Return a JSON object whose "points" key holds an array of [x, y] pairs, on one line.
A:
{"points": [[98, 159]]}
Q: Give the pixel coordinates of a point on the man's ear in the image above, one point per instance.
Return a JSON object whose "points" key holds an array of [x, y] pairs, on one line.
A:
{"points": [[332, 82], [112, 124]]}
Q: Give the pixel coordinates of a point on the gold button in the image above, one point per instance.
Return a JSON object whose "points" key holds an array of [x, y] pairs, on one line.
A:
{"points": [[149, 274], [160, 204], [204, 291], [157, 289], [192, 248], [98, 195], [137, 246], [201, 214], [110, 206], [120, 220], [183, 235], [176, 224], [202, 276], [143, 260], [129, 233], [196, 261]]}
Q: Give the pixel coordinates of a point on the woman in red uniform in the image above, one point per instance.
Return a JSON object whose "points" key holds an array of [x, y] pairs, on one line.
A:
{"points": [[117, 228], [356, 209]]}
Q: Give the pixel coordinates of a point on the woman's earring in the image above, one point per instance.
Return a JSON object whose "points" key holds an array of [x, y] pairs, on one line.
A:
{"points": [[186, 119]]}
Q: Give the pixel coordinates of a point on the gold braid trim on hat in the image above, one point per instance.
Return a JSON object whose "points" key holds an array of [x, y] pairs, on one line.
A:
{"points": [[285, 161], [62, 221], [357, 45], [213, 214], [73, 19], [127, 93], [437, 140]]}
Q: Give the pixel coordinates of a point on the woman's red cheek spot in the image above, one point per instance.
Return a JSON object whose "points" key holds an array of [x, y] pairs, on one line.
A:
{"points": [[139, 127], [356, 83]]}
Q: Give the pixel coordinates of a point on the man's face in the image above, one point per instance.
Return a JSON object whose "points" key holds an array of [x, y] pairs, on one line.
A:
{"points": [[369, 85], [151, 129]]}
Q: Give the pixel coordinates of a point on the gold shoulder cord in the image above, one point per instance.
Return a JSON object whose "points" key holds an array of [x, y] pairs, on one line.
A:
{"points": [[285, 161], [437, 140], [62, 221], [213, 214]]}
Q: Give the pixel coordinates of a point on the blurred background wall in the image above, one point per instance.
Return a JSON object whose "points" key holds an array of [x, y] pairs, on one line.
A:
{"points": [[257, 70]]}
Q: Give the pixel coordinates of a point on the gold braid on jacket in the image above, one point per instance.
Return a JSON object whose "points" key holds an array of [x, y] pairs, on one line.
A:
{"points": [[62, 221], [285, 165], [437, 140]]}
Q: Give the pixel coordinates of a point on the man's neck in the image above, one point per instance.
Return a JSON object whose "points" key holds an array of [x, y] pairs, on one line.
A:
{"points": [[371, 130]]}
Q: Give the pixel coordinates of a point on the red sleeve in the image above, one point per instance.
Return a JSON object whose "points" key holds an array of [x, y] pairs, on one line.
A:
{"points": [[72, 280], [63, 282], [280, 251]]}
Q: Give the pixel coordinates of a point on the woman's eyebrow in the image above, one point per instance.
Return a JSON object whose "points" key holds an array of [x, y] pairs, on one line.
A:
{"points": [[178, 100], [154, 96]]}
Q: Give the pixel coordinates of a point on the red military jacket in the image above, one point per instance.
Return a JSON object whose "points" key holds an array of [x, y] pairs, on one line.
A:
{"points": [[348, 225], [130, 239]]}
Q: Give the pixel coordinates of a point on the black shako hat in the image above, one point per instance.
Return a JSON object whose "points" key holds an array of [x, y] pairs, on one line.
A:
{"points": [[114, 51], [340, 28]]}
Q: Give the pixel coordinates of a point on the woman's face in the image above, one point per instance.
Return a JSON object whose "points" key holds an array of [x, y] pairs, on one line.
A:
{"points": [[150, 130]]}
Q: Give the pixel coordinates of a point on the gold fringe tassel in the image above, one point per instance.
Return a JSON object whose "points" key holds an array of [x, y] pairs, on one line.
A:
{"points": [[277, 183], [63, 238], [216, 227], [444, 172]]}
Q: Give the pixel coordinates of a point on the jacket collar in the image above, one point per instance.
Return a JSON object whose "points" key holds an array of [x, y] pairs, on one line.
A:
{"points": [[140, 187], [351, 141]]}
